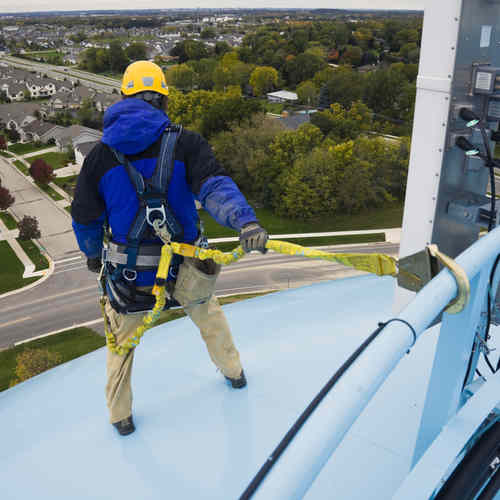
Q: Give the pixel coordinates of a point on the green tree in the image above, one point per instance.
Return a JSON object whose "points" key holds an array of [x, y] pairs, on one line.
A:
{"points": [[263, 79], [352, 55], [207, 33], [136, 51], [117, 57], [285, 149], [345, 86], [308, 93], [244, 151], [181, 76]]}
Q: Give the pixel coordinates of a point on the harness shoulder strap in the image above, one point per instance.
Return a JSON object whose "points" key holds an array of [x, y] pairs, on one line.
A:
{"points": [[152, 197]]}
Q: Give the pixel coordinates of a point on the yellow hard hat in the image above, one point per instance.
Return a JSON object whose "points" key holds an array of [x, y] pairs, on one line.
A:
{"points": [[142, 76]]}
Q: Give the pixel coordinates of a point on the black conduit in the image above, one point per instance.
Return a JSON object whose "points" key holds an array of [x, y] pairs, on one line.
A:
{"points": [[273, 458]]}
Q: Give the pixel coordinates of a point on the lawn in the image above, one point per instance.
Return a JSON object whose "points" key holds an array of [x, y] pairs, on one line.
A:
{"points": [[70, 344], [47, 189], [11, 274], [67, 183], [54, 159], [8, 220], [5, 154], [25, 148], [79, 341], [377, 218], [34, 254], [22, 167], [314, 241]]}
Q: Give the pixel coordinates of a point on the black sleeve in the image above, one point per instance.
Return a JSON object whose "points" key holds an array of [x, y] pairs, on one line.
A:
{"points": [[87, 204], [198, 158]]}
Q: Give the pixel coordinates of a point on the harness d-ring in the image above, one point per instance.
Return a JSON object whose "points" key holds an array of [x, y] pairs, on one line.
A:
{"points": [[459, 303]]}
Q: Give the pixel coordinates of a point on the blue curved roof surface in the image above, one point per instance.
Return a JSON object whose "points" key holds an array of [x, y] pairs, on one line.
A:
{"points": [[196, 437]]}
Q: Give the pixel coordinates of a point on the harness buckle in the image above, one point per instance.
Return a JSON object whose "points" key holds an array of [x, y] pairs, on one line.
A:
{"points": [[129, 274], [160, 209]]}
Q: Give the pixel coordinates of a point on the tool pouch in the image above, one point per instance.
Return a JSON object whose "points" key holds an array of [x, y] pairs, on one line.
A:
{"points": [[196, 281]]}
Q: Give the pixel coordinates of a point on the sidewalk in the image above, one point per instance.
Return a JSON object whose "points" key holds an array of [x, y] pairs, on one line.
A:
{"points": [[68, 170], [55, 222], [10, 236], [39, 152]]}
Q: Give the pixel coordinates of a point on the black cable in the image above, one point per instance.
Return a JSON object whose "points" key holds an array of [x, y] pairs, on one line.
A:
{"points": [[408, 325], [287, 439], [479, 373]]}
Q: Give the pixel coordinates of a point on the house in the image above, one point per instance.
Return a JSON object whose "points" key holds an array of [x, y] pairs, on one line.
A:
{"points": [[37, 130], [14, 91], [282, 96], [82, 150], [74, 135], [103, 101], [18, 114], [40, 87]]}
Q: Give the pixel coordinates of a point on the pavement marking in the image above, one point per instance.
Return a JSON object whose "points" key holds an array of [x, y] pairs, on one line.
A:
{"points": [[50, 297], [66, 260], [13, 322], [69, 269], [87, 323]]}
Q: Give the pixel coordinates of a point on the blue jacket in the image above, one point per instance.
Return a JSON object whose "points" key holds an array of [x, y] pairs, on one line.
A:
{"points": [[104, 191]]}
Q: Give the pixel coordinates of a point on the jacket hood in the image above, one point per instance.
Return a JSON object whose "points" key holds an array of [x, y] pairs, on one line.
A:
{"points": [[132, 125]]}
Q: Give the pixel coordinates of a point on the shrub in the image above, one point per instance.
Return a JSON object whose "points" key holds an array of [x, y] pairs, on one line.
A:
{"points": [[6, 199], [41, 171], [31, 362], [28, 228]]}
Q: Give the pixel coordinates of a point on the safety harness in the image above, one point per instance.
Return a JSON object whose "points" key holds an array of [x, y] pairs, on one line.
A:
{"points": [[122, 262]]}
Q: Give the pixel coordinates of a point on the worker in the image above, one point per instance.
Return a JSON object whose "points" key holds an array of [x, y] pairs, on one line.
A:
{"points": [[146, 169]]}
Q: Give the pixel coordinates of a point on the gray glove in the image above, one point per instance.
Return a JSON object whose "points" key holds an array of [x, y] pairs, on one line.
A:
{"points": [[94, 264], [253, 237]]}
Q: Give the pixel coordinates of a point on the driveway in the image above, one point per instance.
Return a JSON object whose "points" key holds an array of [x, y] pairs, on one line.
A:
{"points": [[55, 223]]}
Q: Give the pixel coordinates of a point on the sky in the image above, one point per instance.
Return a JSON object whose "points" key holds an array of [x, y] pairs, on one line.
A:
{"points": [[50, 5]]}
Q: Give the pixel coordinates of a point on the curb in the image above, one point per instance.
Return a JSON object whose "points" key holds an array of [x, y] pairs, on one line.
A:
{"points": [[55, 332], [45, 277]]}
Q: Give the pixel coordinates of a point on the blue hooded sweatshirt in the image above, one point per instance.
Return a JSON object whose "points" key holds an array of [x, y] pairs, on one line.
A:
{"points": [[104, 190]]}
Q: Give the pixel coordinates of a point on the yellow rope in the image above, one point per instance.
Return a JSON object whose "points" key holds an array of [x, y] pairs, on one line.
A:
{"points": [[379, 264]]}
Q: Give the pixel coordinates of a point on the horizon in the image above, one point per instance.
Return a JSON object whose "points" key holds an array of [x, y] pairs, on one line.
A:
{"points": [[60, 7]]}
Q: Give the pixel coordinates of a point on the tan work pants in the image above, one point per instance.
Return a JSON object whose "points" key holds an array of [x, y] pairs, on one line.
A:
{"points": [[194, 291]]}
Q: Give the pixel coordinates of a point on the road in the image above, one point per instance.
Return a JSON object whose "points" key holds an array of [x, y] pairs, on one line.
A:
{"points": [[99, 82], [69, 296]]}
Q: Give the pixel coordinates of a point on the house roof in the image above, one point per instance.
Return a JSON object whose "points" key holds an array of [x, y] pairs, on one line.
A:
{"points": [[86, 147], [284, 94], [69, 133], [293, 122], [39, 127], [18, 111]]}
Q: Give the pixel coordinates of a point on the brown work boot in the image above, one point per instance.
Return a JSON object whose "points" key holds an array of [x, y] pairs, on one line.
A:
{"points": [[238, 383], [125, 426]]}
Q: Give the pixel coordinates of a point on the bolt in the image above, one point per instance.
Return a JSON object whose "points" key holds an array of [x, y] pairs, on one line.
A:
{"points": [[437, 175]]}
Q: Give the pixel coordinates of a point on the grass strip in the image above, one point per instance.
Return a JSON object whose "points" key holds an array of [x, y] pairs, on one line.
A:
{"points": [[5, 154], [8, 220], [54, 159], [377, 218], [315, 241], [34, 254], [11, 271], [79, 341], [67, 183], [25, 148], [47, 189], [70, 344], [22, 167]]}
